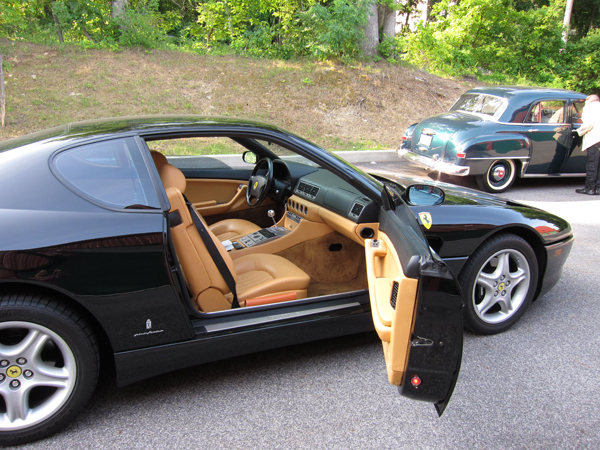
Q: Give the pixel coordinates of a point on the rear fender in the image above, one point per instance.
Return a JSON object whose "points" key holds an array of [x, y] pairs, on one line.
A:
{"points": [[480, 151]]}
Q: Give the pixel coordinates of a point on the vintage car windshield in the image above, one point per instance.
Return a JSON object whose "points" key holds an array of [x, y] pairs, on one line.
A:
{"points": [[485, 104]]}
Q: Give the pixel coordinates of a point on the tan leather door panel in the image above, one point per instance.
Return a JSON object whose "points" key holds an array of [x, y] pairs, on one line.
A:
{"points": [[389, 285], [217, 196]]}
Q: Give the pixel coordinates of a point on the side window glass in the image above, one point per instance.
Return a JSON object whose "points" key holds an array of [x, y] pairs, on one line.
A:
{"points": [[202, 152], [577, 111], [548, 111], [108, 173]]}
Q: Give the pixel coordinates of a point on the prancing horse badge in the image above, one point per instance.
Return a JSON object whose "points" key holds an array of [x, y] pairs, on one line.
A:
{"points": [[426, 219]]}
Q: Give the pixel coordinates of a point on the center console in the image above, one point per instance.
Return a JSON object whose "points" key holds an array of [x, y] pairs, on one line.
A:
{"points": [[262, 236]]}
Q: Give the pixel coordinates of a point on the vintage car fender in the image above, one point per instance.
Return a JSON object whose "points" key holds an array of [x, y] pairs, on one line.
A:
{"points": [[481, 151]]}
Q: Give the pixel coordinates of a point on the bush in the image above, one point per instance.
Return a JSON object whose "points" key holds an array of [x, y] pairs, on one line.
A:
{"points": [[489, 39], [582, 64]]}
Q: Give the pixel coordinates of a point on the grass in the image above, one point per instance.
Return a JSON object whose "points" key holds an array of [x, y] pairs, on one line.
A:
{"points": [[337, 106]]}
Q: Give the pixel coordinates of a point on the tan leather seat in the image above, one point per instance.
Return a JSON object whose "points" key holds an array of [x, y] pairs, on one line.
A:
{"points": [[257, 275], [158, 158], [229, 229]]}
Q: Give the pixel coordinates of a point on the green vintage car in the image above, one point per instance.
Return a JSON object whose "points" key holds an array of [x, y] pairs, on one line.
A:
{"points": [[499, 133]]}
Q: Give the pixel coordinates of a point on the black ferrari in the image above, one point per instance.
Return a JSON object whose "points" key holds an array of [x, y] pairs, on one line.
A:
{"points": [[153, 244]]}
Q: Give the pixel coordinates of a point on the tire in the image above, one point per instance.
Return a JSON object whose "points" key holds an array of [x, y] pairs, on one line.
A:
{"points": [[49, 364], [499, 281], [499, 177]]}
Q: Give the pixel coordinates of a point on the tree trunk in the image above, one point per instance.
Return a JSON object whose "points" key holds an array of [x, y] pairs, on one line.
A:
{"points": [[389, 21], [58, 29], [369, 45], [2, 98], [426, 11], [86, 33], [118, 6], [567, 21]]}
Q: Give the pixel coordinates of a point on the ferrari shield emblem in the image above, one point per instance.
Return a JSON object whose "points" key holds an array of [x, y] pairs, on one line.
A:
{"points": [[426, 219], [255, 185]]}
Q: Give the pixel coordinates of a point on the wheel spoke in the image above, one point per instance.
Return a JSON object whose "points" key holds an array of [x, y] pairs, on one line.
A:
{"points": [[17, 407], [29, 347], [488, 301], [487, 280], [51, 376], [503, 263]]}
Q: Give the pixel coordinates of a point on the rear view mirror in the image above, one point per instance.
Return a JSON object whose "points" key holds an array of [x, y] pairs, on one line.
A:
{"points": [[424, 195]]}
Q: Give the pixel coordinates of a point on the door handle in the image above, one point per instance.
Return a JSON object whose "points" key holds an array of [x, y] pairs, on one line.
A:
{"points": [[531, 130]]}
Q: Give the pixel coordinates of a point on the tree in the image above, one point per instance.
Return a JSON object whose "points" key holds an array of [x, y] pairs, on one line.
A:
{"points": [[567, 20], [118, 7], [369, 45]]}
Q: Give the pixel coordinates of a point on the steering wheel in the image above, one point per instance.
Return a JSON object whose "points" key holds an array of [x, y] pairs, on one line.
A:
{"points": [[259, 186]]}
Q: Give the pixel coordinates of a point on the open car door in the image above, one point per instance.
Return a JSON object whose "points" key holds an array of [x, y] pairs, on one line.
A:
{"points": [[416, 305]]}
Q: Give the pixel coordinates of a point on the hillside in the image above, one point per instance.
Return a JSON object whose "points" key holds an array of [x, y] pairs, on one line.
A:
{"points": [[337, 106]]}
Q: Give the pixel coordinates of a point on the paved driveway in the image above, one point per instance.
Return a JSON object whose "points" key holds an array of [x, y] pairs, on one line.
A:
{"points": [[536, 386]]}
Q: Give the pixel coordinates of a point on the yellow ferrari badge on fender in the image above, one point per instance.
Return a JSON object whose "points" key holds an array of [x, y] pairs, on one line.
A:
{"points": [[255, 185], [426, 219]]}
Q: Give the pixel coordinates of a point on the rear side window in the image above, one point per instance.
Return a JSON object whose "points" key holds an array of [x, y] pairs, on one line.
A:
{"points": [[108, 173], [547, 111], [480, 104]]}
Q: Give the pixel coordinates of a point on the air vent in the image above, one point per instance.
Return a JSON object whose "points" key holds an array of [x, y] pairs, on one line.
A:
{"points": [[307, 190], [394, 294], [356, 210]]}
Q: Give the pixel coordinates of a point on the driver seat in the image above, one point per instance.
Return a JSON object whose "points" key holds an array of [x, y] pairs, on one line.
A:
{"points": [[260, 278], [229, 229]]}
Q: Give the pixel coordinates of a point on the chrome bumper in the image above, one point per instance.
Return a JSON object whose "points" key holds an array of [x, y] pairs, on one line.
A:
{"points": [[430, 163]]}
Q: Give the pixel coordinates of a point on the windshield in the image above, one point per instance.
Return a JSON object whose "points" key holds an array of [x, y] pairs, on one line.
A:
{"points": [[485, 104]]}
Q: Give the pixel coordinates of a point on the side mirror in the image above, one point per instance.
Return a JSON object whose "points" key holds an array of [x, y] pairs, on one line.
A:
{"points": [[250, 157], [424, 195]]}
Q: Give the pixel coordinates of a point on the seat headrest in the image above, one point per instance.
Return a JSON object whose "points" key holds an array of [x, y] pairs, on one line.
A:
{"points": [[158, 158], [171, 176]]}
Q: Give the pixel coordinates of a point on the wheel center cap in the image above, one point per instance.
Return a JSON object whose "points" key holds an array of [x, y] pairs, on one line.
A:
{"points": [[501, 286], [13, 371]]}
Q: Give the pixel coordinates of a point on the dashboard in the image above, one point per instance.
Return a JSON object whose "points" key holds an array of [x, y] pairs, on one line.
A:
{"points": [[322, 188]]}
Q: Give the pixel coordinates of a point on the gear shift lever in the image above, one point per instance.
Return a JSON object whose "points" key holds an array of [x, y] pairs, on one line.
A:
{"points": [[271, 214]]}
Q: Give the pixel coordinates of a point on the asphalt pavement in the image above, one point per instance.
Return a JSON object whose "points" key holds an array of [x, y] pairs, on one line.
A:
{"points": [[536, 386]]}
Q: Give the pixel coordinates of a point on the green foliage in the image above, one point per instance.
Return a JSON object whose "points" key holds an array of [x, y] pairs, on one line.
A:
{"points": [[139, 29], [334, 31], [489, 39], [582, 64]]}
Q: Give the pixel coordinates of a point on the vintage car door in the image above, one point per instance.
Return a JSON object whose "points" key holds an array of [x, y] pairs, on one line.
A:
{"points": [[416, 305], [577, 159], [549, 129]]}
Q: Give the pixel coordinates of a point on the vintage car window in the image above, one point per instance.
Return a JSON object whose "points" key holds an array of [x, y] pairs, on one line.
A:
{"points": [[488, 105], [203, 152], [109, 173], [547, 111], [577, 111]]}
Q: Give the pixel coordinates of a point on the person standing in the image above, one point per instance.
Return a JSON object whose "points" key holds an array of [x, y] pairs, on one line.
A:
{"points": [[590, 130]]}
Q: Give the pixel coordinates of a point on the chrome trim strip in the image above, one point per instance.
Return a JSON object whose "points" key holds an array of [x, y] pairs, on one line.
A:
{"points": [[498, 157], [554, 175], [229, 325]]}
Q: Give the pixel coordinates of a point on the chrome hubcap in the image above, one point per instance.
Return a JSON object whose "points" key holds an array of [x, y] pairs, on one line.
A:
{"points": [[37, 374], [501, 286], [499, 173]]}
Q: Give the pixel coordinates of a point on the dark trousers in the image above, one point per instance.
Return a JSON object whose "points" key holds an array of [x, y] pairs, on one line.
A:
{"points": [[591, 168]]}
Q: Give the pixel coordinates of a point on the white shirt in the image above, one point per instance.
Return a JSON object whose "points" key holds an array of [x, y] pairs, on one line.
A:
{"points": [[590, 128]]}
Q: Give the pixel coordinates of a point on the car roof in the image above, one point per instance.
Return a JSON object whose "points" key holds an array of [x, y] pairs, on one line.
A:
{"points": [[525, 94], [152, 124]]}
